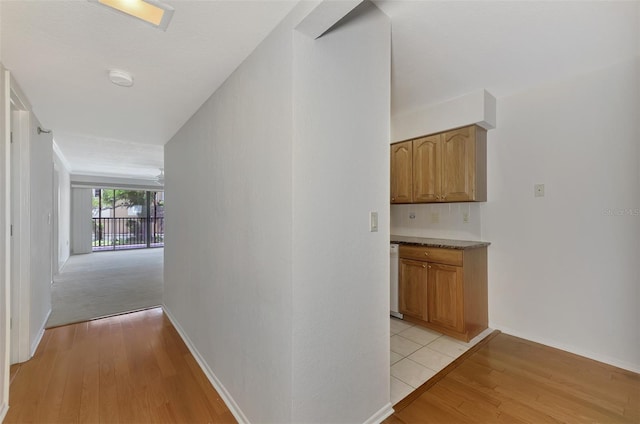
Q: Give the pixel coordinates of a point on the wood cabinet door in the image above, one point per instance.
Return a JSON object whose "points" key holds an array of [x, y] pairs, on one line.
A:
{"points": [[426, 169], [458, 165], [445, 294], [412, 289], [401, 172]]}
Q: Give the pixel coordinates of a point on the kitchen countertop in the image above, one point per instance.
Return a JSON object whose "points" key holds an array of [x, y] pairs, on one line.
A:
{"points": [[444, 243]]}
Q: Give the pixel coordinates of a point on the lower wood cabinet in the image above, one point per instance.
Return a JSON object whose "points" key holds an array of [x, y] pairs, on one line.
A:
{"points": [[444, 289], [445, 296], [413, 289]]}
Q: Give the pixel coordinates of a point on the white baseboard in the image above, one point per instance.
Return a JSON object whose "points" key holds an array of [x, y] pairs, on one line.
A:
{"points": [[222, 391], [3, 411], [568, 348], [38, 339], [381, 415], [376, 418]]}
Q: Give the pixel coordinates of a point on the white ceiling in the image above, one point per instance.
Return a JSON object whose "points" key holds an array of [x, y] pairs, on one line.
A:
{"points": [[60, 51], [445, 49]]}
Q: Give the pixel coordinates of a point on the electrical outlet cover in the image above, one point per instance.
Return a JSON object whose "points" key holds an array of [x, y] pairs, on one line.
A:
{"points": [[373, 222]]}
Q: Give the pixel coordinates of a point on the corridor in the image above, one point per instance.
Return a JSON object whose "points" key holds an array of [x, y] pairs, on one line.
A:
{"points": [[131, 368]]}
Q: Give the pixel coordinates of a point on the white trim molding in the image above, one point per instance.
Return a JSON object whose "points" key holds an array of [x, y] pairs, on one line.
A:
{"points": [[5, 247], [63, 159], [4, 408], [382, 414], [614, 362], [38, 339], [213, 379], [20, 281]]}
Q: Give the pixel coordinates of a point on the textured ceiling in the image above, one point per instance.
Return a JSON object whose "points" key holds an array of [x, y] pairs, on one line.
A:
{"points": [[60, 51]]}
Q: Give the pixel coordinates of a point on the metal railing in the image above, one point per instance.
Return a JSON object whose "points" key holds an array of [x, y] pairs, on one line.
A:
{"points": [[127, 233]]}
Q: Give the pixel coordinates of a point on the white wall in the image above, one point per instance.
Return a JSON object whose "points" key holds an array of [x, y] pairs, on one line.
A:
{"points": [[253, 296], [64, 210], [228, 251], [478, 107], [340, 174], [81, 225], [564, 268], [41, 203]]}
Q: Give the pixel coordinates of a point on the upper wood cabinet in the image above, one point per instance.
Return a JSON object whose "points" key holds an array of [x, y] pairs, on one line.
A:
{"points": [[464, 165], [401, 172], [426, 169], [444, 167]]}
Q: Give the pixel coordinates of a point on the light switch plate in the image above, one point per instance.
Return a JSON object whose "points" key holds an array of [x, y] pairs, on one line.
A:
{"points": [[538, 190], [373, 222]]}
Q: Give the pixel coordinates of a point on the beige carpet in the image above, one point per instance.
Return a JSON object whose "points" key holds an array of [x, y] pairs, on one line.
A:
{"points": [[106, 283]]}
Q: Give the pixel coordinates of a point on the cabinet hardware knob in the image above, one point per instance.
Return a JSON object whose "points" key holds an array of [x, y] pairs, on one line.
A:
{"points": [[424, 266], [426, 253], [393, 198], [429, 266]]}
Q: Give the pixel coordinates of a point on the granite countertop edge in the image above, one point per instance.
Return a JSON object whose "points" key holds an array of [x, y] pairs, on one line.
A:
{"points": [[441, 243]]}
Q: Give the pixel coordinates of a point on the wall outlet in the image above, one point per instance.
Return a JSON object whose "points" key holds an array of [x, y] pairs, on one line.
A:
{"points": [[465, 217], [538, 190], [412, 215], [435, 217]]}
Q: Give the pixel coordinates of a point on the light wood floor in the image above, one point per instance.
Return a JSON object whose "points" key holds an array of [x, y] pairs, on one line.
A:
{"points": [[134, 368], [131, 368], [510, 380]]}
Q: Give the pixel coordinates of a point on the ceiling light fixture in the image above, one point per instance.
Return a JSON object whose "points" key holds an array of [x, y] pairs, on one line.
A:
{"points": [[152, 12], [121, 78]]}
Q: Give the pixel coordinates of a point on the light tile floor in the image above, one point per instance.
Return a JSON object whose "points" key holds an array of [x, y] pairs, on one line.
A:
{"points": [[417, 354]]}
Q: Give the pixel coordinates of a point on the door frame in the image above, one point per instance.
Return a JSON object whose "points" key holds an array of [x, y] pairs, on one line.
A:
{"points": [[20, 256], [55, 212]]}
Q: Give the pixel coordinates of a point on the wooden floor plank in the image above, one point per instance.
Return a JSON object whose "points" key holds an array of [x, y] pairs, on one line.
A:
{"points": [[135, 368], [89, 398], [132, 368], [512, 380]]}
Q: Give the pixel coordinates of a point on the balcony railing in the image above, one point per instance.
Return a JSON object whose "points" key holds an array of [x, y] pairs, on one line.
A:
{"points": [[127, 233]]}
